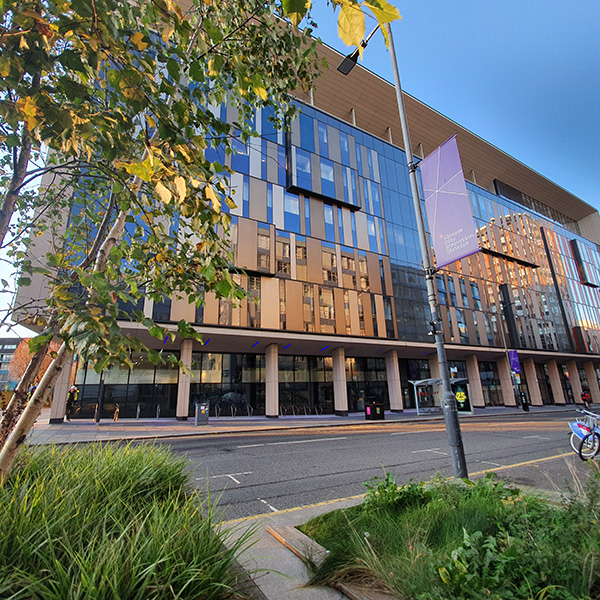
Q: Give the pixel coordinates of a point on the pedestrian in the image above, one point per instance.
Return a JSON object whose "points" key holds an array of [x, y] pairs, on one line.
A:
{"points": [[71, 400], [586, 399]]}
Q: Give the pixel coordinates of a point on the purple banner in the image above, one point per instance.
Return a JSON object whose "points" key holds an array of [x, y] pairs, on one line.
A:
{"points": [[513, 357], [447, 204]]}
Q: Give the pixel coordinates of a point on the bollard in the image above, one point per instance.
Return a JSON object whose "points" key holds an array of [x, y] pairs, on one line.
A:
{"points": [[158, 411], [137, 412]]}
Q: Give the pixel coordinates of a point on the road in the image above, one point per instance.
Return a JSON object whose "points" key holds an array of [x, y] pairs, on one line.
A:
{"points": [[261, 472]]}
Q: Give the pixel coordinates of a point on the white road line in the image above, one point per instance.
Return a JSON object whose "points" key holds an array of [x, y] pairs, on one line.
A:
{"points": [[306, 441], [487, 462], [539, 437], [433, 450], [231, 476], [270, 507], [293, 442]]}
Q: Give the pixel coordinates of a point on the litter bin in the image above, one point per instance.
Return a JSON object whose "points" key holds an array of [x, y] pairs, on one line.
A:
{"points": [[202, 409], [374, 411]]}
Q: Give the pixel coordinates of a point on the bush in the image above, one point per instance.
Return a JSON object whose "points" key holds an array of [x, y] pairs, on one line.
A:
{"points": [[463, 541], [108, 522]]}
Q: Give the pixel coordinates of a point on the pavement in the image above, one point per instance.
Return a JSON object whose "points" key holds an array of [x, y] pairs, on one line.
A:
{"points": [[277, 573]]}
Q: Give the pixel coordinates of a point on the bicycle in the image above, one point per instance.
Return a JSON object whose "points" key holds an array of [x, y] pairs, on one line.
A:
{"points": [[585, 435]]}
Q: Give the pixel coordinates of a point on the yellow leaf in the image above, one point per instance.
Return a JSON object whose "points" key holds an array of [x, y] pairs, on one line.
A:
{"points": [[383, 11], [212, 196], [260, 91], [137, 38], [30, 112], [351, 24], [163, 192], [151, 121], [4, 66], [181, 188], [167, 32]]}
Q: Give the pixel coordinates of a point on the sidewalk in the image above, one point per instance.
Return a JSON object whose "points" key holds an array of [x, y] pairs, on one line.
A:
{"points": [[277, 573], [84, 431]]}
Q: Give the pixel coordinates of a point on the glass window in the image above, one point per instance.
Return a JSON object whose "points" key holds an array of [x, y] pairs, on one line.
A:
{"points": [[326, 310], [327, 178], [329, 261], [292, 212], [323, 144], [307, 133], [303, 170], [308, 307], [329, 227], [282, 254], [345, 148], [301, 266]]}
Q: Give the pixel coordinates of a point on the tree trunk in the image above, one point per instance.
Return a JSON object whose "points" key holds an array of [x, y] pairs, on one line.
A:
{"points": [[19, 172], [32, 411], [19, 400]]}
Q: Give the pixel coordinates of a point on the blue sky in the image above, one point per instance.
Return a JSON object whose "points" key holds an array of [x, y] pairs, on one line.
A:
{"points": [[525, 76]]}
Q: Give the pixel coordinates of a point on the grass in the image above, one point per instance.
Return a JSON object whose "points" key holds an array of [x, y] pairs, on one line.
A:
{"points": [[108, 522], [464, 540]]}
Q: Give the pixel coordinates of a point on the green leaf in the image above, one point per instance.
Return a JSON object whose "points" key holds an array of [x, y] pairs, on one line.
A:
{"points": [[295, 10], [173, 69], [13, 140]]}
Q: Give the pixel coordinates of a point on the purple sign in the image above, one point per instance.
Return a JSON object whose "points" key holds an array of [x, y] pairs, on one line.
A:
{"points": [[447, 204], [513, 357]]}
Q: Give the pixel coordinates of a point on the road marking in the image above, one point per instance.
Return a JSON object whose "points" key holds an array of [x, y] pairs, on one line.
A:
{"points": [[270, 507], [293, 442], [539, 437], [231, 476], [487, 462], [358, 497], [433, 450], [522, 464]]}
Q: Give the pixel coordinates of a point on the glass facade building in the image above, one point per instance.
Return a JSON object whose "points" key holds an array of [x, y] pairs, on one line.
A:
{"points": [[326, 234]]}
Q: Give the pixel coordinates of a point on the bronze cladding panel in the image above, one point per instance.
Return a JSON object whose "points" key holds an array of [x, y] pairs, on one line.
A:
{"points": [[269, 303], [374, 276], [181, 308], [380, 316], [211, 309], [258, 199], [366, 298], [293, 305], [317, 219], [247, 244]]}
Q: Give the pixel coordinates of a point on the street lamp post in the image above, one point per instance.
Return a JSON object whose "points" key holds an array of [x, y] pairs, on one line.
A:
{"points": [[449, 410]]}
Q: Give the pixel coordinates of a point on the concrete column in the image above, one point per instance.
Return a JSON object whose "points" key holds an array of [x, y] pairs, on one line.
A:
{"points": [[393, 381], [555, 384], [183, 387], [506, 384], [272, 382], [574, 380], [535, 396], [434, 367], [475, 387], [340, 386], [59, 393], [592, 379]]}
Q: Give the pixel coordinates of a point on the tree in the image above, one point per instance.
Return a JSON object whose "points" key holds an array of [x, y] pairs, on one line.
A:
{"points": [[124, 96]]}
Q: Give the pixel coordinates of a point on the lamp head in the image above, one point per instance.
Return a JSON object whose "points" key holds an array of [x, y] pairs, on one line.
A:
{"points": [[348, 63]]}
